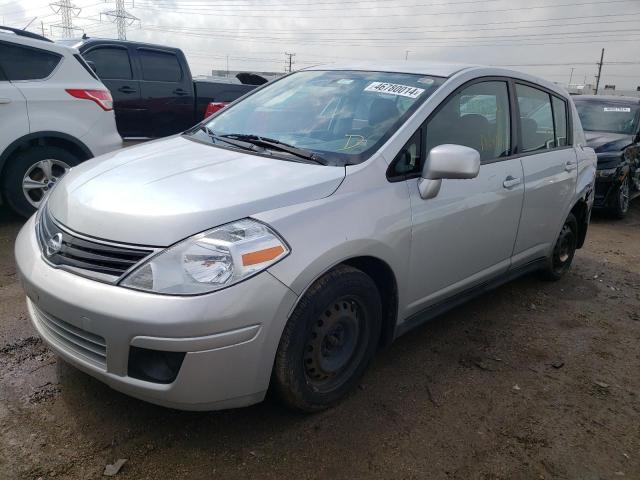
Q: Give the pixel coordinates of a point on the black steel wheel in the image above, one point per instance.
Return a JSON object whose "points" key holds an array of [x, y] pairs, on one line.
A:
{"points": [[329, 340]]}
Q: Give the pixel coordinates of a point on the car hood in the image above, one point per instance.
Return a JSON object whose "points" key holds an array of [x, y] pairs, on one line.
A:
{"points": [[164, 191], [603, 142]]}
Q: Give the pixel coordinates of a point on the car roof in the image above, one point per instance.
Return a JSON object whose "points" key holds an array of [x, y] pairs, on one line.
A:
{"points": [[79, 42], [607, 98], [415, 67], [440, 69]]}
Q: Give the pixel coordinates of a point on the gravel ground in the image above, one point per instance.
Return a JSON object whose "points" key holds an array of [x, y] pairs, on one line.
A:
{"points": [[535, 380]]}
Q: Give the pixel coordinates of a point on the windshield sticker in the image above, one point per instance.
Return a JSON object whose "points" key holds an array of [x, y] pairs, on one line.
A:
{"points": [[617, 109], [426, 81], [394, 89]]}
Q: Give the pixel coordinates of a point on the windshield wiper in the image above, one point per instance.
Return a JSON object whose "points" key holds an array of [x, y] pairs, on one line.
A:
{"points": [[274, 144], [215, 138]]}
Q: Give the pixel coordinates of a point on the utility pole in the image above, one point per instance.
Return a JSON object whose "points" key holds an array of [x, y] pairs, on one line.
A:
{"points": [[406, 55], [290, 60], [121, 18], [67, 11], [227, 66], [571, 76], [599, 71]]}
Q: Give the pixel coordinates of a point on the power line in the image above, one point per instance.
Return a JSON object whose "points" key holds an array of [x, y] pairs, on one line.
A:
{"points": [[386, 15]]}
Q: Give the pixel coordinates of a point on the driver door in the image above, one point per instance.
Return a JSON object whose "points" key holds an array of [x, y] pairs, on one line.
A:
{"points": [[466, 234]]}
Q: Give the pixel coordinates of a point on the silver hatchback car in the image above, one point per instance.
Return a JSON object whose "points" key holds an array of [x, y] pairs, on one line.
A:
{"points": [[285, 239]]}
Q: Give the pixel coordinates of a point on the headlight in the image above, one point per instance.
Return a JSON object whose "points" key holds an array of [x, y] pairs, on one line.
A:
{"points": [[607, 172], [210, 260]]}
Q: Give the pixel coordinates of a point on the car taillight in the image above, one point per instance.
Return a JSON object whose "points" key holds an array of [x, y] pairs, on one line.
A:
{"points": [[213, 107], [101, 97]]}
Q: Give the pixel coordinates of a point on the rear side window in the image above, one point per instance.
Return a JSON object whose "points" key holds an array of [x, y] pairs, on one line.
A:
{"points": [[160, 66], [536, 119], [25, 63], [560, 121], [112, 63]]}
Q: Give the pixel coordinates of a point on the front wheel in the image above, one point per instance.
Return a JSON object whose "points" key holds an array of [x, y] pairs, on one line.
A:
{"points": [[621, 203], [329, 340], [564, 250], [31, 173]]}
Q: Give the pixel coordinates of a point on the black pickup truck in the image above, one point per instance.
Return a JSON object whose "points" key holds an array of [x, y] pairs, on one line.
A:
{"points": [[153, 92]]}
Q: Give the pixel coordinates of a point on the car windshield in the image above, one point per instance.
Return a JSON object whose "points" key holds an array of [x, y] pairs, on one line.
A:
{"points": [[341, 116], [608, 116]]}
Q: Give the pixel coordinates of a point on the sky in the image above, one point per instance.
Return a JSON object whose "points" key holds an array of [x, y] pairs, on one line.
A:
{"points": [[558, 40]]}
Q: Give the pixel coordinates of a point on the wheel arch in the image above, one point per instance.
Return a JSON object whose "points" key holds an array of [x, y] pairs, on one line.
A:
{"points": [[581, 211], [45, 138], [384, 278]]}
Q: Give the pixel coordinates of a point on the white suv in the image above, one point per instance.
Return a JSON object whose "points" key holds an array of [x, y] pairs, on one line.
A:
{"points": [[54, 112]]}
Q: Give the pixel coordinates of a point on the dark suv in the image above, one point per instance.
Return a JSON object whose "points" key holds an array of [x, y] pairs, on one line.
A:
{"points": [[612, 128]]}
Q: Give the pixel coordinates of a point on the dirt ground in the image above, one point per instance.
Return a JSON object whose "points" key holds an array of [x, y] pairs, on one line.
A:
{"points": [[533, 381]]}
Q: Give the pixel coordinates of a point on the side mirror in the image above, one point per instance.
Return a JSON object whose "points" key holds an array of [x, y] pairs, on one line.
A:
{"points": [[92, 66], [447, 161]]}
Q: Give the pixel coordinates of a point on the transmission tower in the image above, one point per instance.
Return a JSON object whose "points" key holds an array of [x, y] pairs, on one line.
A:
{"points": [[289, 60], [121, 18], [67, 11]]}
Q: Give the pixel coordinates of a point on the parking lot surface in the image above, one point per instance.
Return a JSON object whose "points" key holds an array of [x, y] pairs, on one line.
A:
{"points": [[534, 380]]}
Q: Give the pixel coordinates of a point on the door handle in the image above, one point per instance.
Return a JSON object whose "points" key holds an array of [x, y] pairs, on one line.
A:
{"points": [[511, 182], [569, 166], [180, 92], [126, 89], [4, 101]]}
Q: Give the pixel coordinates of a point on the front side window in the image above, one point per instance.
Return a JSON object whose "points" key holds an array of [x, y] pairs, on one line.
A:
{"points": [[476, 117], [112, 63], [615, 116], [23, 63], [536, 119], [343, 116], [160, 66]]}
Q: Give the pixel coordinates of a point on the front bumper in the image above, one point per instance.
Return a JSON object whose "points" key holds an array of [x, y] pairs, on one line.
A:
{"points": [[606, 190], [230, 337]]}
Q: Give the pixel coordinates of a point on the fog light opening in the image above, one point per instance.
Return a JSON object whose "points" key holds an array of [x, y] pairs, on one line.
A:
{"points": [[154, 365]]}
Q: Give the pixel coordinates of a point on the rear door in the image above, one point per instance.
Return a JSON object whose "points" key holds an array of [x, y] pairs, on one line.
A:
{"points": [[167, 91], [550, 169], [114, 67]]}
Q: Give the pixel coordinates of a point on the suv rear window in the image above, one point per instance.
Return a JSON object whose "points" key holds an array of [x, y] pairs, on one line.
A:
{"points": [[26, 63]]}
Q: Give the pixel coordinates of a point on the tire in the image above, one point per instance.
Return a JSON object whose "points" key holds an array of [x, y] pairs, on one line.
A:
{"points": [[328, 341], [33, 163], [621, 204], [563, 251]]}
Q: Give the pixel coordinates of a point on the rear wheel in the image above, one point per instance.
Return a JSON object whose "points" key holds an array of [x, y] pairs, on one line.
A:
{"points": [[31, 173], [564, 250], [621, 203], [329, 340]]}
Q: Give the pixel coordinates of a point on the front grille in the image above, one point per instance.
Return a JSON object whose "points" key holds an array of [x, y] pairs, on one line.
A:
{"points": [[96, 259], [90, 346]]}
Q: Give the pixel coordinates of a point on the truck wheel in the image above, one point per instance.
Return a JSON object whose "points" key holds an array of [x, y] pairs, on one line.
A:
{"points": [[621, 203], [328, 341], [563, 251], [31, 173]]}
